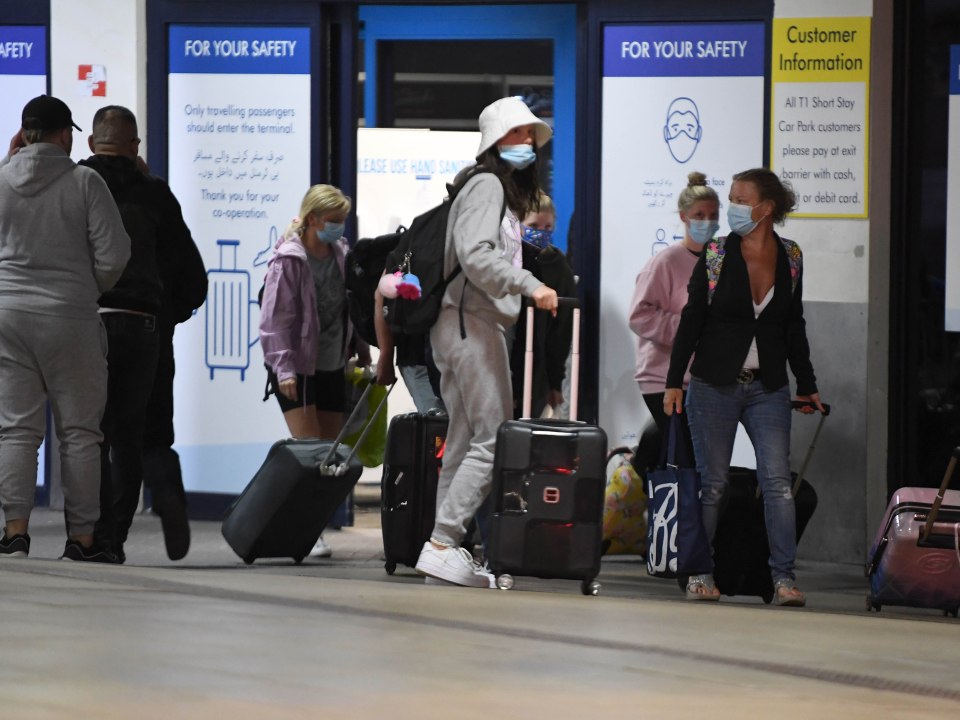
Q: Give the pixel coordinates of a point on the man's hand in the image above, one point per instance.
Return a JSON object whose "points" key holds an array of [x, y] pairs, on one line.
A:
{"points": [[16, 142]]}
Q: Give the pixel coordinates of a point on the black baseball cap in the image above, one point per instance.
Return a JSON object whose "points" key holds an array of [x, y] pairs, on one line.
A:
{"points": [[46, 112]]}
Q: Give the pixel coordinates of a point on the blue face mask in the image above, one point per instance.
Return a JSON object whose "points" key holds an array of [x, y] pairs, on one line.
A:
{"points": [[331, 232], [539, 238], [739, 218], [519, 156], [702, 231]]}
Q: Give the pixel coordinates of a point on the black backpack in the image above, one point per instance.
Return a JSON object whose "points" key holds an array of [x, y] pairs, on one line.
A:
{"points": [[420, 251], [365, 264]]}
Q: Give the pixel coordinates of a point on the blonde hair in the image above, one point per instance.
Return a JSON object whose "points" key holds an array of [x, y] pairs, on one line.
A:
{"points": [[320, 200], [695, 191], [547, 206]]}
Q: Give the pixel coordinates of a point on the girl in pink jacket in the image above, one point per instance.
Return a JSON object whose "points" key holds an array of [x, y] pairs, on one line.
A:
{"points": [[305, 333]]}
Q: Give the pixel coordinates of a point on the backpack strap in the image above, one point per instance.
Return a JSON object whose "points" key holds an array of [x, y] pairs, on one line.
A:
{"points": [[716, 250], [795, 260], [713, 255], [456, 270]]}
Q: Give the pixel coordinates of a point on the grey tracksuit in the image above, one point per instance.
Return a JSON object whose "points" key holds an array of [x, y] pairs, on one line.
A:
{"points": [[62, 244], [475, 371]]}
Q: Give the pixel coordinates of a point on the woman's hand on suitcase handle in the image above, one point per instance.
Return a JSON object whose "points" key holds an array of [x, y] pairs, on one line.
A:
{"points": [[288, 388], [555, 398], [385, 371], [673, 400], [545, 298], [808, 404]]}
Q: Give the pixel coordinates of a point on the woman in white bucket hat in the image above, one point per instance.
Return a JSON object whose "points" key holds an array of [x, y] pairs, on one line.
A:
{"points": [[478, 308]]}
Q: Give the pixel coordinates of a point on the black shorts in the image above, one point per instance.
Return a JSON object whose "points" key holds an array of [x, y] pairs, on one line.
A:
{"points": [[325, 389]]}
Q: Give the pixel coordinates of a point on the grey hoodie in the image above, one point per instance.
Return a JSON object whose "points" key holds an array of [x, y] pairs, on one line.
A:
{"points": [[62, 242], [474, 240]]}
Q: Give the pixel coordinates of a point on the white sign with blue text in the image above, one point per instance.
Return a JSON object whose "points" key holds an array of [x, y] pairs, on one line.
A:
{"points": [[23, 72], [676, 99], [951, 320], [239, 158]]}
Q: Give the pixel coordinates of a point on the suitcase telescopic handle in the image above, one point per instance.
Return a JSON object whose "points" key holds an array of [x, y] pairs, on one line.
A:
{"points": [[562, 302], [935, 510], [324, 466], [813, 443], [799, 405]]}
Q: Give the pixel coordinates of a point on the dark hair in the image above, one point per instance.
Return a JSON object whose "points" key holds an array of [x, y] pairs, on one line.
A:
{"points": [[112, 123], [521, 188], [771, 188]]}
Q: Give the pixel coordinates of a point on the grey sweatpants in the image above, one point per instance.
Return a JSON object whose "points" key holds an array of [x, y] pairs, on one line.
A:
{"points": [[475, 386], [64, 360]]}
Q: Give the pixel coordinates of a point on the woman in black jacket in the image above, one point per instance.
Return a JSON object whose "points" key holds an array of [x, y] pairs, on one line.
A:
{"points": [[745, 324]]}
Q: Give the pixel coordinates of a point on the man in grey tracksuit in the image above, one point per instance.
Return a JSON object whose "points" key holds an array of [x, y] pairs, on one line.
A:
{"points": [[62, 244]]}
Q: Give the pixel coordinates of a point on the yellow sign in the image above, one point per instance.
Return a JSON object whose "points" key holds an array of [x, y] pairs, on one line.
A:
{"points": [[820, 108], [821, 50]]}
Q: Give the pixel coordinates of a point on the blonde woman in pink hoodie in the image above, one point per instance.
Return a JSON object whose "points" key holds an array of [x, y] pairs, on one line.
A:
{"points": [[658, 298]]}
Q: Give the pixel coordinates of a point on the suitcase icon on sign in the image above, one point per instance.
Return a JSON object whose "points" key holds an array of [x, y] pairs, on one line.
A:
{"points": [[228, 316]]}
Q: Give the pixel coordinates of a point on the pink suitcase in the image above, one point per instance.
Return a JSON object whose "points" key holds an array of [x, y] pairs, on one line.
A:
{"points": [[915, 558]]}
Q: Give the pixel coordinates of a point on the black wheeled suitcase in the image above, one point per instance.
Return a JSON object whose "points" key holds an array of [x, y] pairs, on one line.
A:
{"points": [[408, 489], [741, 551], [292, 497], [549, 480]]}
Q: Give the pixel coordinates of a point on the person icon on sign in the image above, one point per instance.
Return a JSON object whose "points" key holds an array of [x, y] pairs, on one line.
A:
{"points": [[682, 132]]}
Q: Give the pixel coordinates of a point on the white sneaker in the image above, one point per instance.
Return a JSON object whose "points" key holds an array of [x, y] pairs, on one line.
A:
{"points": [[321, 549], [436, 581], [455, 565]]}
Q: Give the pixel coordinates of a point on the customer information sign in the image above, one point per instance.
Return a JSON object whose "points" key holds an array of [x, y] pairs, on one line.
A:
{"points": [[820, 108]]}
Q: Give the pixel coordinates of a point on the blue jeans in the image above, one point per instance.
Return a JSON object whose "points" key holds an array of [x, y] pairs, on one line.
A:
{"points": [[713, 413]]}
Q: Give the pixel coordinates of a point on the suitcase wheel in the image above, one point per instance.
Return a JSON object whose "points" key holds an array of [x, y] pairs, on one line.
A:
{"points": [[390, 567], [768, 598], [504, 582], [299, 559], [590, 587], [249, 559]]}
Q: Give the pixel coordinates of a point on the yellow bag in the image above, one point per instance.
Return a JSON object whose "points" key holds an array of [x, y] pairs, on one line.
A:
{"points": [[624, 508], [375, 444]]}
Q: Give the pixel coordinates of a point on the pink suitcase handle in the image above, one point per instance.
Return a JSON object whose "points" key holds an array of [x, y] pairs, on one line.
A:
{"points": [[574, 358]]}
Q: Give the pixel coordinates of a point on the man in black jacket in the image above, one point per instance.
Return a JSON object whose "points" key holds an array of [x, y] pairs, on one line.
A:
{"points": [[135, 313]]}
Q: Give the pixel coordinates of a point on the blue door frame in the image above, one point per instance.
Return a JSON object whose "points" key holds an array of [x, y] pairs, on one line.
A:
{"points": [[492, 22]]}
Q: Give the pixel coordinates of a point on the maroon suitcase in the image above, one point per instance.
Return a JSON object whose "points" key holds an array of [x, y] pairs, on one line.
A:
{"points": [[915, 558]]}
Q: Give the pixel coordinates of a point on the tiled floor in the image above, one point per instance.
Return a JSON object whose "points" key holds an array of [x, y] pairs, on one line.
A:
{"points": [[212, 638]]}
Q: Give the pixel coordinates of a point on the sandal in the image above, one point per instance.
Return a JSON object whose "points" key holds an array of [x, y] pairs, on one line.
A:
{"points": [[702, 587], [787, 594]]}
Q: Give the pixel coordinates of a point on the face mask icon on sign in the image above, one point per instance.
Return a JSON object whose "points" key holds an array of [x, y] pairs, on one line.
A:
{"points": [[682, 132]]}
